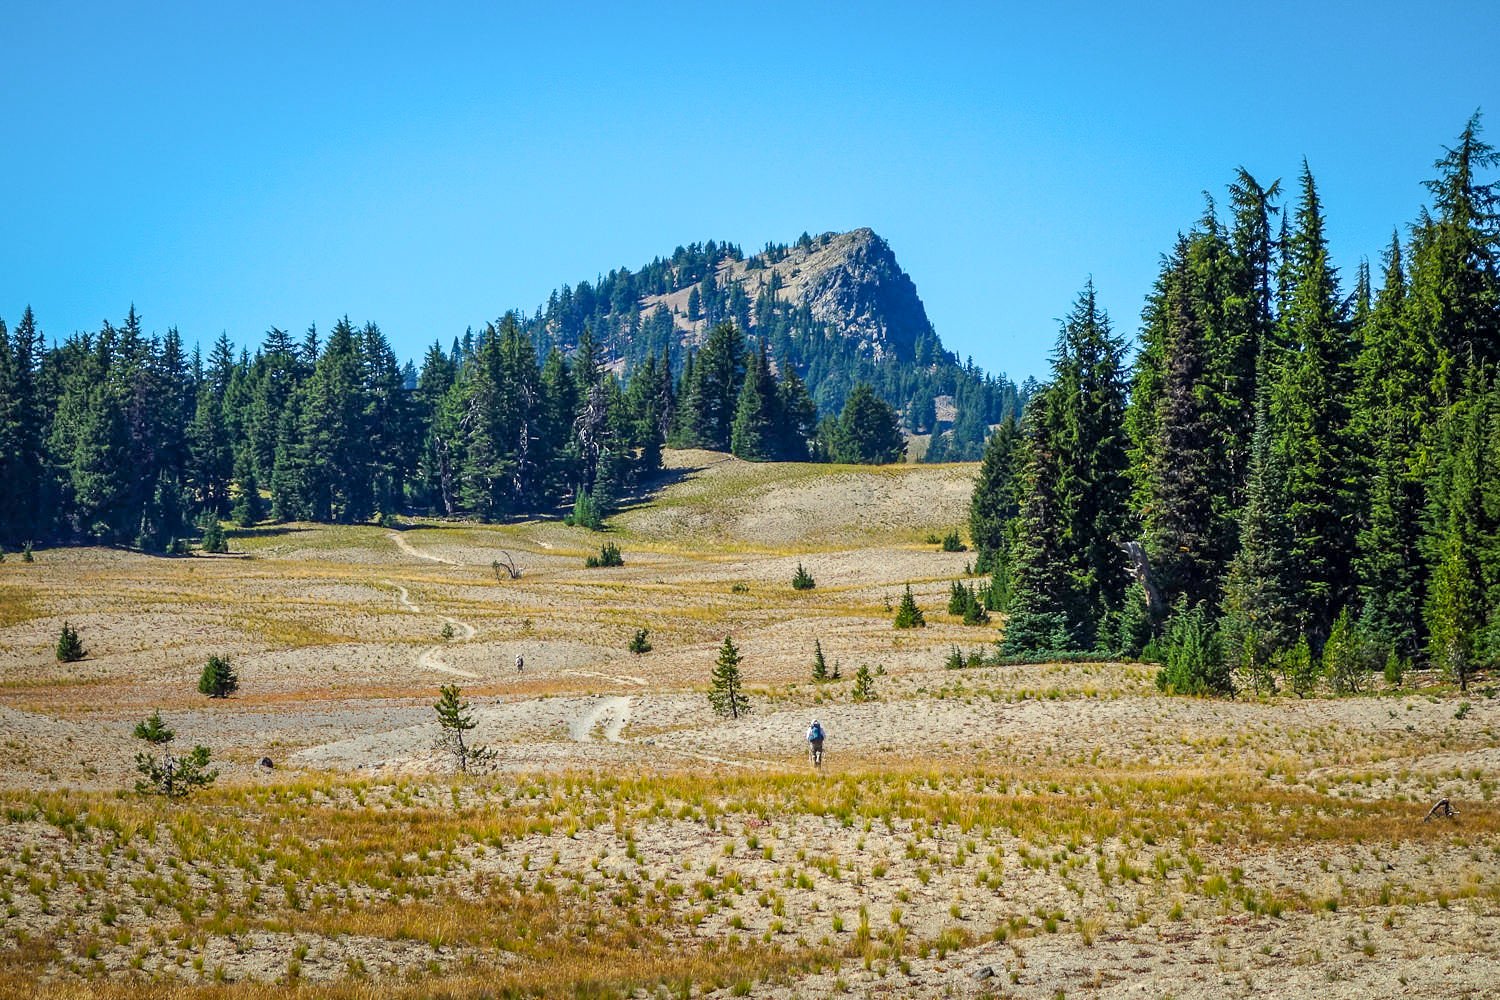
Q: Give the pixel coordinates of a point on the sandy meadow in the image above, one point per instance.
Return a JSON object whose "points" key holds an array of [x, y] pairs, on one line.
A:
{"points": [[1000, 830]]}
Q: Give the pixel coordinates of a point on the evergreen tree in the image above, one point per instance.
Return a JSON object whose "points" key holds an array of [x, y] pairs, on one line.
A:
{"points": [[218, 679], [864, 684], [753, 435], [908, 615], [174, 777], [69, 646], [1309, 420], [726, 693], [993, 504], [819, 665], [454, 720], [1386, 421], [868, 431]]}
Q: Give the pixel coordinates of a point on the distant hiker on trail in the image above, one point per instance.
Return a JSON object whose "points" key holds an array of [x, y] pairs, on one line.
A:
{"points": [[815, 740], [520, 663]]}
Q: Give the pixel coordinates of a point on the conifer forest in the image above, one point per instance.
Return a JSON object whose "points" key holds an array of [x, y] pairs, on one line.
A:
{"points": [[1296, 472]]}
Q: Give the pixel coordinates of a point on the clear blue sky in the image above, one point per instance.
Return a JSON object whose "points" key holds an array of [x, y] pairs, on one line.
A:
{"points": [[233, 167]]}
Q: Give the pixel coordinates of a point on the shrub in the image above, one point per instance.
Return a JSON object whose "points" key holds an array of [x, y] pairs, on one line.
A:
{"points": [[1193, 659], [908, 615], [802, 579], [167, 775], [1395, 669], [864, 683], [639, 644], [447, 632], [951, 542], [964, 602], [955, 659], [69, 645], [26, 553], [218, 679], [609, 555]]}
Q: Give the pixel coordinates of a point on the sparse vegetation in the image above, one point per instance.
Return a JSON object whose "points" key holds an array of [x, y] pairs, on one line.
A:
{"points": [[802, 579], [639, 643], [952, 542], [864, 684], [609, 555]]}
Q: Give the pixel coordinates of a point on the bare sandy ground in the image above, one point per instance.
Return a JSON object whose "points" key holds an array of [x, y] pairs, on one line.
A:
{"points": [[337, 635]]}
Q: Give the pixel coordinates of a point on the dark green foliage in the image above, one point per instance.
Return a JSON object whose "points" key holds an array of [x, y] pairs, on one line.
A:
{"points": [[162, 773], [994, 503], [908, 615], [952, 543], [819, 664], [585, 513], [609, 555], [965, 603], [802, 579], [1193, 661], [218, 679], [955, 660], [214, 539], [726, 692], [864, 684], [1348, 657], [639, 643], [867, 431], [69, 646], [454, 720], [1300, 669], [1068, 570]]}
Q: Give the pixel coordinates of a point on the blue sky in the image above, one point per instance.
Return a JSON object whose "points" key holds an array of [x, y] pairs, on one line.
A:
{"points": [[429, 166]]}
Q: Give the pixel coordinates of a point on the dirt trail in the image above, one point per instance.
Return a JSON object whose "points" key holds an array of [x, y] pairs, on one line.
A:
{"points": [[615, 710], [405, 546], [431, 657], [618, 678]]}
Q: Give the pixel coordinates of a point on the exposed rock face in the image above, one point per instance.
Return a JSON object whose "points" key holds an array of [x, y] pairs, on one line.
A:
{"points": [[855, 285], [850, 281]]}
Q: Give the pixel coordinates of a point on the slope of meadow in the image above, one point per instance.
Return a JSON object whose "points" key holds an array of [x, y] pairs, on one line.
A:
{"points": [[1062, 826]]}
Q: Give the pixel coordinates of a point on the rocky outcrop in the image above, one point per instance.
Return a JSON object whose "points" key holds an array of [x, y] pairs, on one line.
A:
{"points": [[854, 284]]}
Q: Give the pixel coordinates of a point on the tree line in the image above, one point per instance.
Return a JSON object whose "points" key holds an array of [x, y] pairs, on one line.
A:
{"points": [[119, 437], [1286, 477]]}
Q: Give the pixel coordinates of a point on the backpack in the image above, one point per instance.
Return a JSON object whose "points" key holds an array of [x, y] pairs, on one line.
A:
{"points": [[815, 733]]}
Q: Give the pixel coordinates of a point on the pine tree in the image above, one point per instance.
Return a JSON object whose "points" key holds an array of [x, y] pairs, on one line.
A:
{"points": [[819, 664], [69, 645], [802, 579], [1037, 620], [218, 679], [1455, 611], [908, 615], [1309, 419], [868, 431], [174, 777], [454, 720], [993, 504], [726, 694], [1386, 421], [753, 435], [864, 684]]}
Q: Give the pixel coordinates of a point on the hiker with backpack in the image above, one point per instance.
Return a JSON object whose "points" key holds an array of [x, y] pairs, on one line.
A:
{"points": [[815, 740]]}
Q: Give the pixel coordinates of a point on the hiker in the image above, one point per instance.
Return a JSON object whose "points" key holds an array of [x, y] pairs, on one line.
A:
{"points": [[520, 663], [815, 740]]}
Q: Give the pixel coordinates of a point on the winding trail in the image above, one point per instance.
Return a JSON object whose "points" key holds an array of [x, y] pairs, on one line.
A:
{"points": [[431, 657], [613, 712], [405, 546]]}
